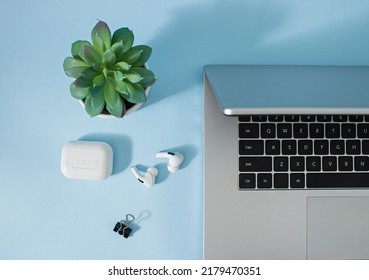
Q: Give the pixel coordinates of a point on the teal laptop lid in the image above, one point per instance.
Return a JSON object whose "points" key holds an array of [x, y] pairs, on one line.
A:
{"points": [[276, 89]]}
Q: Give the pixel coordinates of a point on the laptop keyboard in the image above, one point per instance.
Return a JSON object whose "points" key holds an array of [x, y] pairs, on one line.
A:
{"points": [[303, 151]]}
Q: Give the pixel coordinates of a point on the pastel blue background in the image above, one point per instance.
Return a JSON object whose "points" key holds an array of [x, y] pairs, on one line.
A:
{"points": [[43, 215]]}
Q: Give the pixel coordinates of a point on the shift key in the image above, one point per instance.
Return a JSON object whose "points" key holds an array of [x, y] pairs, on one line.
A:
{"points": [[255, 164]]}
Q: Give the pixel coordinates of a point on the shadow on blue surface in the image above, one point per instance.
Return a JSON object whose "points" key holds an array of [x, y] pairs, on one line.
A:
{"points": [[144, 214], [121, 145], [212, 32]]}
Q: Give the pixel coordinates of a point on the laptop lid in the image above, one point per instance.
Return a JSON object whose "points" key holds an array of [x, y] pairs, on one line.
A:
{"points": [[290, 89]]}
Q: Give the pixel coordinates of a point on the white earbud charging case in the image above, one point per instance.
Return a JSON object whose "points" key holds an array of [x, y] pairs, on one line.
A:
{"points": [[87, 160]]}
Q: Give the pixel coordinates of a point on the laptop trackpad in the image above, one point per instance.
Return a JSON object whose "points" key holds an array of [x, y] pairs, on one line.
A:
{"points": [[337, 228]]}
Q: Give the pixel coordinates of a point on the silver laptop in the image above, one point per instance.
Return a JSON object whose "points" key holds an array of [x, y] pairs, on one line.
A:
{"points": [[286, 162]]}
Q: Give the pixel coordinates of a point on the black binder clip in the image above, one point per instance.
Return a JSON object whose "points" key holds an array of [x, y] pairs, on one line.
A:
{"points": [[122, 227]]}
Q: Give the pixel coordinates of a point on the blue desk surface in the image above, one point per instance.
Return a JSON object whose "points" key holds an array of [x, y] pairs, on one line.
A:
{"points": [[43, 215]]}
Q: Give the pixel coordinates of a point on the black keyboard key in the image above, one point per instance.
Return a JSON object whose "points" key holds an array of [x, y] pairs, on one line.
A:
{"points": [[300, 130], [245, 118], [316, 130], [297, 180], [284, 130], [305, 147], [329, 164], [361, 163], [313, 164], [281, 180], [280, 164], [264, 180], [255, 164], [308, 118], [324, 118], [259, 118], [272, 147], [267, 130], [275, 118], [292, 118], [345, 164], [247, 181], [321, 147], [251, 147], [356, 118], [332, 130], [248, 130], [337, 180], [337, 147], [297, 163], [363, 130], [339, 118], [353, 147], [348, 130], [289, 147], [365, 147]]}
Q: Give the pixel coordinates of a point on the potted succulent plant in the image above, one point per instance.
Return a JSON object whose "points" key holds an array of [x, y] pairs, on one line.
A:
{"points": [[111, 75]]}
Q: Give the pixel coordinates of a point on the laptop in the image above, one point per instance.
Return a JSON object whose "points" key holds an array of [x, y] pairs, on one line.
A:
{"points": [[286, 162]]}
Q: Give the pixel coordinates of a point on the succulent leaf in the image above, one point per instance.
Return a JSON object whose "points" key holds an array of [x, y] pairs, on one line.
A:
{"points": [[98, 102], [108, 58], [118, 110], [118, 49], [78, 92], [89, 73], [96, 90], [124, 95], [146, 74], [131, 56], [145, 55], [91, 111], [145, 85], [98, 80], [133, 77], [73, 67], [136, 93], [98, 66], [79, 88], [77, 47], [110, 94], [81, 82], [123, 66], [89, 54], [118, 76], [102, 31], [126, 36], [98, 45], [121, 87]]}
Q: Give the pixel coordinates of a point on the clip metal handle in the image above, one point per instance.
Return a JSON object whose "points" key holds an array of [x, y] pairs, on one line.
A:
{"points": [[122, 227]]}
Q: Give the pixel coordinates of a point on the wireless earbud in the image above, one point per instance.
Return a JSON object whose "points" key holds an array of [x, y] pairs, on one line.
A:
{"points": [[175, 160], [148, 179]]}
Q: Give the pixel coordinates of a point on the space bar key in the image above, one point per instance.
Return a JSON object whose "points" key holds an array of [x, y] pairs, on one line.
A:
{"points": [[337, 180]]}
